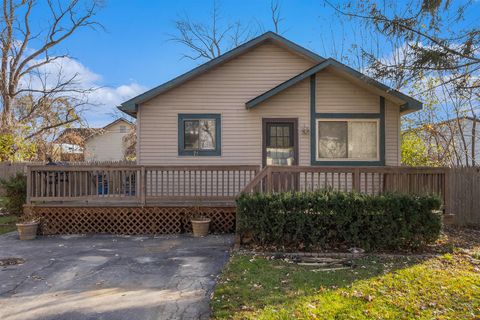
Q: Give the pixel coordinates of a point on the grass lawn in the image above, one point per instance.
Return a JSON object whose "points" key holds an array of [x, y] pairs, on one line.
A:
{"points": [[444, 287], [7, 222]]}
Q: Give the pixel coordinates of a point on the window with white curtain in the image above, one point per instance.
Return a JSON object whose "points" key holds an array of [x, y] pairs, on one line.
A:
{"points": [[348, 139]]}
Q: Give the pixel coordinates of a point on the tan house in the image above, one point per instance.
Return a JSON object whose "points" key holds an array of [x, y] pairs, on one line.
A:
{"points": [[95, 144], [270, 102]]}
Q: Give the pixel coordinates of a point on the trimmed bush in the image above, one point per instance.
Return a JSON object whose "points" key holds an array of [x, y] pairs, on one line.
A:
{"points": [[331, 219], [16, 193]]}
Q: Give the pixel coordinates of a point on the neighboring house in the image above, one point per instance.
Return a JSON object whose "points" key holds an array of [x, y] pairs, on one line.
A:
{"points": [[454, 142], [95, 144], [270, 101]]}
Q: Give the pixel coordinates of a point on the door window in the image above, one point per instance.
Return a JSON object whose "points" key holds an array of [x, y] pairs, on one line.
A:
{"points": [[280, 149]]}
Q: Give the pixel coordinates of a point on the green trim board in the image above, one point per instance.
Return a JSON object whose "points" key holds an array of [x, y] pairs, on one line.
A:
{"points": [[218, 138], [130, 107], [348, 115], [411, 104], [313, 117], [313, 130], [382, 131]]}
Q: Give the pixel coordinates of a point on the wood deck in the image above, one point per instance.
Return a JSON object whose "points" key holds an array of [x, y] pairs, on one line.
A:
{"points": [[135, 185], [194, 186], [136, 199]]}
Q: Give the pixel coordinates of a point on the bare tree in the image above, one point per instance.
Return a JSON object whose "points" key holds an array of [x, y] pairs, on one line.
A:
{"points": [[130, 145], [430, 50], [27, 90], [438, 35], [207, 41], [276, 15]]}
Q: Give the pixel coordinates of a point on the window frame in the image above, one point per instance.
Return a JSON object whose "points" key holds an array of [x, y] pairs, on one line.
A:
{"points": [[182, 117], [353, 160]]}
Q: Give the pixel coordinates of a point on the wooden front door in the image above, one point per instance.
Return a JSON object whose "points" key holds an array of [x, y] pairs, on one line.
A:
{"points": [[280, 142]]}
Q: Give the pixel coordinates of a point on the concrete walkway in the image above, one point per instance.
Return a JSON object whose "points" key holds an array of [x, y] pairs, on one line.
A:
{"points": [[110, 277]]}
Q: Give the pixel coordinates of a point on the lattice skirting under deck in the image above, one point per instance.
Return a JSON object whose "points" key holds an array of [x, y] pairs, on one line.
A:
{"points": [[134, 220]]}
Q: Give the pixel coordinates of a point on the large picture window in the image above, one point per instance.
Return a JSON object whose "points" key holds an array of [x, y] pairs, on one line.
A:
{"points": [[347, 139], [199, 134]]}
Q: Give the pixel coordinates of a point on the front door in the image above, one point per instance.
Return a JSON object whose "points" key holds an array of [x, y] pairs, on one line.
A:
{"points": [[280, 142]]}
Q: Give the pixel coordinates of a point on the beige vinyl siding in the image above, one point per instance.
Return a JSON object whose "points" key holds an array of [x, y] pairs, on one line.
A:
{"points": [[336, 94], [225, 90], [107, 146]]}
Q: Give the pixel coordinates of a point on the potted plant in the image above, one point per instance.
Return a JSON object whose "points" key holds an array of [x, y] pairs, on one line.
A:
{"points": [[27, 227], [200, 223], [200, 226]]}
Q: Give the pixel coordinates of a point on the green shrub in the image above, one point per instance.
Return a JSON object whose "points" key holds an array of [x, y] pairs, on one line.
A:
{"points": [[16, 193], [329, 219]]}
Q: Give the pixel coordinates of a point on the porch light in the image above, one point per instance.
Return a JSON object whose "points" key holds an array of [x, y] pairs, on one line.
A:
{"points": [[305, 130]]}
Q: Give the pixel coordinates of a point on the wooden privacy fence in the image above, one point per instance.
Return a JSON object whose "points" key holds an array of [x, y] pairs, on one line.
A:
{"points": [[9, 169], [372, 180], [136, 184], [464, 195]]}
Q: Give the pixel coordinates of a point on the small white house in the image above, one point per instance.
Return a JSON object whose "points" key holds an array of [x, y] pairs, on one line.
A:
{"points": [[108, 144], [96, 144]]}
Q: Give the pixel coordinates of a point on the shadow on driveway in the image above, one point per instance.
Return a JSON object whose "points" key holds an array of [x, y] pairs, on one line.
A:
{"points": [[111, 277]]}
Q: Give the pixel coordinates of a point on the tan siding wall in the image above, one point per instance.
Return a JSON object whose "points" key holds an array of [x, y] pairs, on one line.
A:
{"points": [[337, 94], [392, 134], [225, 90]]}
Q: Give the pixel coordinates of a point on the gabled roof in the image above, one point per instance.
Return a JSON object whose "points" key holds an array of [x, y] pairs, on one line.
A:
{"points": [[411, 104], [117, 121], [130, 106], [76, 135]]}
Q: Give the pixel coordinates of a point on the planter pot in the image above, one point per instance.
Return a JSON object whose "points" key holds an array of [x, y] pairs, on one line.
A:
{"points": [[27, 231], [200, 227]]}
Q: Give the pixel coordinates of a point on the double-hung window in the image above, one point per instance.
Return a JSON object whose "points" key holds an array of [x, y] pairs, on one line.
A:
{"points": [[199, 135], [348, 139]]}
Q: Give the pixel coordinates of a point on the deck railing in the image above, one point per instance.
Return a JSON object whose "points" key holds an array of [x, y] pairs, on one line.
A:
{"points": [[372, 180], [140, 185], [136, 184]]}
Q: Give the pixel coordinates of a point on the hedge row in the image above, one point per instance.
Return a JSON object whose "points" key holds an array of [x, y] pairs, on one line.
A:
{"points": [[331, 219]]}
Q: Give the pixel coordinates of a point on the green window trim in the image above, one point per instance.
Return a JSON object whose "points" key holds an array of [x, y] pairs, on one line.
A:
{"points": [[313, 131], [182, 117]]}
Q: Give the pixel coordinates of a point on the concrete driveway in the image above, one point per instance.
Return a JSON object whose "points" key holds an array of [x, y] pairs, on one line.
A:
{"points": [[110, 277]]}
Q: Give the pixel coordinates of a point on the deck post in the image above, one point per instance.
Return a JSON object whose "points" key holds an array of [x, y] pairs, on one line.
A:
{"points": [[356, 180], [269, 180], [143, 185]]}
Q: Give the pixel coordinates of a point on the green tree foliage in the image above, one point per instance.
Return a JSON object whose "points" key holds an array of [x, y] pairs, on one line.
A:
{"points": [[415, 152], [13, 147]]}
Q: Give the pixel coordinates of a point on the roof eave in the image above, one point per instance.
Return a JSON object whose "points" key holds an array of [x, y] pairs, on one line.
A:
{"points": [[129, 109], [410, 105]]}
